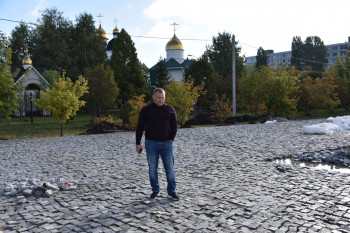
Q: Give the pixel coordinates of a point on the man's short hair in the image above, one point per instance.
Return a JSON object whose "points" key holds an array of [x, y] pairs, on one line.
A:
{"points": [[158, 90]]}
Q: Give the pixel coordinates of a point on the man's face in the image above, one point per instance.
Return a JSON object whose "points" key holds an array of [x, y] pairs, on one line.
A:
{"points": [[158, 98]]}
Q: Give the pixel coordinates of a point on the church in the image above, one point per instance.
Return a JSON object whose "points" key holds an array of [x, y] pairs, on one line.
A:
{"points": [[175, 62]]}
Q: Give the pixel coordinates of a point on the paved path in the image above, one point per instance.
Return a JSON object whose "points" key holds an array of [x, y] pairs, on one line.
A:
{"points": [[225, 180]]}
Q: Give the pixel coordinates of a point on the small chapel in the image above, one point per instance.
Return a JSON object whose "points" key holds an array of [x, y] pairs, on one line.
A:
{"points": [[32, 82], [175, 62]]}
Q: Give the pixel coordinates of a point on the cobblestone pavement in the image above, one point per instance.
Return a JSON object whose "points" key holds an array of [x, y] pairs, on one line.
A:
{"points": [[225, 178]]}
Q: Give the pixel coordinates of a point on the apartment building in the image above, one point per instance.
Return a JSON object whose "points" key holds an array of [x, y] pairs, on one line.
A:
{"points": [[276, 59]]}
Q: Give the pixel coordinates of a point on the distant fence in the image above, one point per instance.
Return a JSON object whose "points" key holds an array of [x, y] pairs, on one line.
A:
{"points": [[49, 119]]}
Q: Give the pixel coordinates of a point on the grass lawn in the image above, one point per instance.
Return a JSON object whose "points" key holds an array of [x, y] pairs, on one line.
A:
{"points": [[27, 130], [21, 129], [321, 114]]}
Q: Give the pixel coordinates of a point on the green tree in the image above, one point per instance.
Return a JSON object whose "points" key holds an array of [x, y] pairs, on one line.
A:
{"points": [[281, 92], [145, 72], [220, 55], [271, 88], [341, 73], [103, 90], [321, 93], [162, 77], [127, 70], [88, 48], [51, 41], [312, 53], [303, 102], [63, 98], [202, 72], [222, 86], [297, 52], [20, 37], [182, 96], [342, 88], [250, 90], [315, 53], [51, 76], [8, 91], [223, 108], [261, 58]]}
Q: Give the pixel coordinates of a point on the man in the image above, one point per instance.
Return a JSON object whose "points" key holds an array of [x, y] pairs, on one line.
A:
{"points": [[159, 122]]}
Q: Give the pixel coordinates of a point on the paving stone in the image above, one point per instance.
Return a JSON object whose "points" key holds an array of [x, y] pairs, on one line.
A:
{"points": [[225, 178]]}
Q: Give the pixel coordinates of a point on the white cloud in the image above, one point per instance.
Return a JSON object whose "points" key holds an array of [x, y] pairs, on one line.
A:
{"points": [[39, 6]]}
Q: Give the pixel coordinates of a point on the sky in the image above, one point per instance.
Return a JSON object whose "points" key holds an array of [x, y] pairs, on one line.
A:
{"points": [[270, 24]]}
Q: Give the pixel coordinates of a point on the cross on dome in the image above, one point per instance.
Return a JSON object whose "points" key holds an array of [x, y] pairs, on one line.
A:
{"points": [[100, 16], [174, 24]]}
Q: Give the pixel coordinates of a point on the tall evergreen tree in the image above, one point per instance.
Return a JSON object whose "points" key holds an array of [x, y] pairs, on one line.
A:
{"points": [[103, 90], [145, 72], [162, 77], [261, 58], [297, 52], [20, 37], [51, 41], [220, 55], [88, 48], [202, 73], [126, 67], [312, 53], [315, 53]]}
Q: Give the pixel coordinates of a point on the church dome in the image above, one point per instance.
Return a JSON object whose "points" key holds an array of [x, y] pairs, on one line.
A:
{"points": [[26, 60], [115, 30], [102, 32], [174, 44]]}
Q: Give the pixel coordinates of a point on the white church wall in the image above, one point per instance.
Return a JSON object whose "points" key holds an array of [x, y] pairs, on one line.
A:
{"points": [[176, 73], [109, 54], [178, 55]]}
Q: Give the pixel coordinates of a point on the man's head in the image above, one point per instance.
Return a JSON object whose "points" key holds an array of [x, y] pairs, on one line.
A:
{"points": [[158, 96]]}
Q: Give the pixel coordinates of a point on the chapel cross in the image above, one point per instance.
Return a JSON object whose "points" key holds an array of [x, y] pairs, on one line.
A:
{"points": [[174, 24], [115, 21], [100, 16]]}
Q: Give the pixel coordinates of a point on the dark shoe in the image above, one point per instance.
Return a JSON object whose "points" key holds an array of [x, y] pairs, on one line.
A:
{"points": [[173, 196], [154, 195]]}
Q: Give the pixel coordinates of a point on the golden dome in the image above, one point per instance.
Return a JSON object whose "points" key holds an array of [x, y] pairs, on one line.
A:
{"points": [[26, 60], [174, 44], [116, 30], [102, 32]]}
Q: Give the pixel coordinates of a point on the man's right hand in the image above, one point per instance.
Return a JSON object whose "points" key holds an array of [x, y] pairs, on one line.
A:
{"points": [[139, 149]]}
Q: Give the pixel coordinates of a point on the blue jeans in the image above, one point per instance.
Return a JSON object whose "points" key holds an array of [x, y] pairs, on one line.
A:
{"points": [[154, 149]]}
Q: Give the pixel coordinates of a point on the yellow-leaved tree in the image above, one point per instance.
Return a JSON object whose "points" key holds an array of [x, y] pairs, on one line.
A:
{"points": [[267, 89], [63, 98], [223, 108], [8, 91], [136, 103], [182, 96], [321, 94]]}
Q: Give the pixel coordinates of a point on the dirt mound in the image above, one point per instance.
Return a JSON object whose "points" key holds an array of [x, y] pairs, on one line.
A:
{"points": [[249, 119], [105, 127], [202, 119], [207, 119]]}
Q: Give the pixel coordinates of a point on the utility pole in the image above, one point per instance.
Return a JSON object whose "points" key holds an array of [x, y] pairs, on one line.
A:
{"points": [[233, 76]]}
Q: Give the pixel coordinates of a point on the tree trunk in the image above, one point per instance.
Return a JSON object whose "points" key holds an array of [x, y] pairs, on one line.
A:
{"points": [[61, 129]]}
